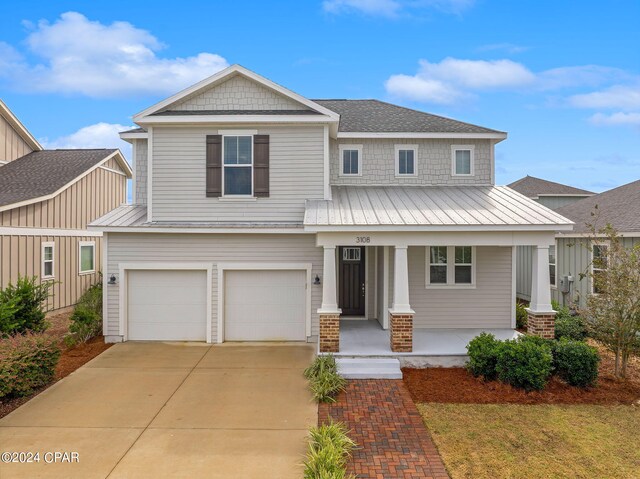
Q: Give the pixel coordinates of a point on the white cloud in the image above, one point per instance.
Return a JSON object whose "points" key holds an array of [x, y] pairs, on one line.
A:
{"points": [[422, 89], [393, 8], [618, 96], [99, 135], [579, 76], [98, 60], [616, 119]]}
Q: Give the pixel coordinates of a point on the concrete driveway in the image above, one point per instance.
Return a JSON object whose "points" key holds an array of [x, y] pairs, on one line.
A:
{"points": [[170, 410]]}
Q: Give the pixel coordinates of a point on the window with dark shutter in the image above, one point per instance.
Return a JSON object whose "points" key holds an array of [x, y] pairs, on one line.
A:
{"points": [[261, 166], [214, 166]]}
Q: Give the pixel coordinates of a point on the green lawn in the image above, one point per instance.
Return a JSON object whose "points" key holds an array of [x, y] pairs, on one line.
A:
{"points": [[524, 441]]}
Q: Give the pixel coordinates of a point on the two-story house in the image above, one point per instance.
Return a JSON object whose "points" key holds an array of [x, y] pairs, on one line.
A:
{"points": [[262, 215]]}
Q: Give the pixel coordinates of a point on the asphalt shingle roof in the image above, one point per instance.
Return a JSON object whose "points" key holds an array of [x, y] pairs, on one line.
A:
{"points": [[42, 173], [619, 207], [376, 116], [531, 187]]}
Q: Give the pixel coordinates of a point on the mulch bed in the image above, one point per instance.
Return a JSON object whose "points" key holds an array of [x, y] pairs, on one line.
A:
{"points": [[456, 385]]}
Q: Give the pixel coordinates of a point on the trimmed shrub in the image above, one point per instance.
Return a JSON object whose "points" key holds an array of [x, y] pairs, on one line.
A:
{"points": [[27, 362], [324, 381], [521, 315], [570, 327], [27, 297], [483, 355], [524, 363], [92, 299], [86, 320], [328, 451], [576, 362], [561, 311]]}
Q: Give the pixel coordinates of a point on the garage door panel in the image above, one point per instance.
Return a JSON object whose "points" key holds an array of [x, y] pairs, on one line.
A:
{"points": [[265, 305], [167, 305]]}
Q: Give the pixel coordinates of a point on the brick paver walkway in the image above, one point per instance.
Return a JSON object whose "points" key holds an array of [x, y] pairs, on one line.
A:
{"points": [[384, 421]]}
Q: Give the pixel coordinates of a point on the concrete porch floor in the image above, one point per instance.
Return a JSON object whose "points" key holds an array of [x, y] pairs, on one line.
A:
{"points": [[367, 338]]}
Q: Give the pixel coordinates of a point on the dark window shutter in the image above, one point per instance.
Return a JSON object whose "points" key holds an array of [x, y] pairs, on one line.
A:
{"points": [[261, 166], [214, 166]]}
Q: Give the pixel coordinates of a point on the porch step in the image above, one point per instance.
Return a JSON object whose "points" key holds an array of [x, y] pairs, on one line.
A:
{"points": [[369, 368]]}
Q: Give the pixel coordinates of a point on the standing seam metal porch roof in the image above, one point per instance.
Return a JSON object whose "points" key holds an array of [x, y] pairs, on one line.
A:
{"points": [[494, 206]]}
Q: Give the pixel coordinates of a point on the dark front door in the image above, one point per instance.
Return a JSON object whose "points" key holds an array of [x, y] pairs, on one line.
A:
{"points": [[351, 261]]}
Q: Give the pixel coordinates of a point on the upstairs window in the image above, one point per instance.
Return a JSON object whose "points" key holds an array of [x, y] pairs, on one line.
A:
{"points": [[451, 266], [462, 160], [406, 156], [599, 266], [47, 260], [238, 165], [350, 160]]}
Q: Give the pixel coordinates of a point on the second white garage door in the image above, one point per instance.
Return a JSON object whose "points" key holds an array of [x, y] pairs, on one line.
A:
{"points": [[167, 305], [264, 305]]}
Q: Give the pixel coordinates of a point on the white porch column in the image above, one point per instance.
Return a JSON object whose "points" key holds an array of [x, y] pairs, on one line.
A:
{"points": [[540, 314], [540, 283], [401, 282], [329, 297]]}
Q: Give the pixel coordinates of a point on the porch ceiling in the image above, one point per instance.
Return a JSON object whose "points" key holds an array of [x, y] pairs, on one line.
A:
{"points": [[448, 206]]}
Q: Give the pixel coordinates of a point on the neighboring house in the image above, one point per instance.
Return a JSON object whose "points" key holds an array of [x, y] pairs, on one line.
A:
{"points": [[262, 215], [619, 207], [47, 198], [552, 195]]}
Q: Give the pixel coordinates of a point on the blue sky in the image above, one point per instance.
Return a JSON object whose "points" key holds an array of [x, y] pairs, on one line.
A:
{"points": [[561, 77]]}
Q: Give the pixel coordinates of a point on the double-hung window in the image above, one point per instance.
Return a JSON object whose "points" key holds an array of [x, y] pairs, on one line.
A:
{"points": [[599, 266], [552, 265], [406, 157], [48, 260], [451, 266], [87, 257], [238, 165], [462, 160], [350, 160]]}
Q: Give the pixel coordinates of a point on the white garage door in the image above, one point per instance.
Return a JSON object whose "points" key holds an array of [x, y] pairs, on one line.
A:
{"points": [[265, 305], [167, 305]]}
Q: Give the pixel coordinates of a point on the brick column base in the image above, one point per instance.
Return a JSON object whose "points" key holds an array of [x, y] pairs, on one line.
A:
{"points": [[541, 324], [401, 332], [329, 332]]}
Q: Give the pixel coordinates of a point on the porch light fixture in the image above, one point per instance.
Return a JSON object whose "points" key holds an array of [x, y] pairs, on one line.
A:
{"points": [[316, 280], [112, 279]]}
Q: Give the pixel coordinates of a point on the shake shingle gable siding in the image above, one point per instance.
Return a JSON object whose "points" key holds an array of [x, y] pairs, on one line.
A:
{"points": [[42, 173]]}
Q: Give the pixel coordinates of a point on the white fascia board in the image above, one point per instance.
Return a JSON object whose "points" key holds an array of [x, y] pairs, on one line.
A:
{"points": [[409, 134], [196, 119], [116, 154], [632, 234], [222, 76], [28, 231], [430, 228], [17, 125], [129, 137], [566, 195], [186, 230]]}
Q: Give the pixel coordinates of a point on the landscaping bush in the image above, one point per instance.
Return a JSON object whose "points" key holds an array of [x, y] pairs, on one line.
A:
{"points": [[27, 362], [524, 363], [483, 355], [576, 362], [324, 381], [328, 451], [561, 311], [521, 315], [86, 320], [92, 299], [570, 327], [25, 298]]}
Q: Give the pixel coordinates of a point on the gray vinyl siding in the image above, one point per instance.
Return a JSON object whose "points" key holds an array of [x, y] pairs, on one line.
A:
{"points": [[140, 165], [486, 306], [433, 162], [554, 202], [178, 192], [210, 248], [524, 261]]}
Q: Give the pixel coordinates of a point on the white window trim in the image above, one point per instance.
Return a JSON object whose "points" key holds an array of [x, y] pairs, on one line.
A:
{"points": [[451, 258], [80, 245], [360, 162], [555, 284], [472, 155], [224, 194], [47, 244], [415, 160], [607, 245]]}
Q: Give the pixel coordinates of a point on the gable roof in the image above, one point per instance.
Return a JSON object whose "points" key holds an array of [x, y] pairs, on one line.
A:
{"points": [[533, 187], [375, 116], [40, 175], [19, 127], [619, 207]]}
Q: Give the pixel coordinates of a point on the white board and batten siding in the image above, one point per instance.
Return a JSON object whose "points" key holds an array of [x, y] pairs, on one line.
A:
{"points": [[296, 170], [214, 249], [488, 305]]}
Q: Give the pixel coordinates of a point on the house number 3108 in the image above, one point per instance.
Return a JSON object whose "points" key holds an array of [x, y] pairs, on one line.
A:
{"points": [[363, 239]]}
